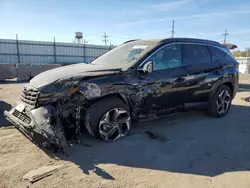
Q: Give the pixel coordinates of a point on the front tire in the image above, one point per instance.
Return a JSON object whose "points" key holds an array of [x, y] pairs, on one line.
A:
{"points": [[221, 102], [108, 119]]}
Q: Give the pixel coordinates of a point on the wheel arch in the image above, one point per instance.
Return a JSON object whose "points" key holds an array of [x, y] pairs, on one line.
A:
{"points": [[120, 96], [228, 83], [96, 109]]}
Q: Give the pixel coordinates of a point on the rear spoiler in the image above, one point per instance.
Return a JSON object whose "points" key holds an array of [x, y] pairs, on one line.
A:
{"points": [[230, 46]]}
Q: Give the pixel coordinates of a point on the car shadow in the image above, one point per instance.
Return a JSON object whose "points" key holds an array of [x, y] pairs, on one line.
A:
{"points": [[4, 106], [190, 143]]}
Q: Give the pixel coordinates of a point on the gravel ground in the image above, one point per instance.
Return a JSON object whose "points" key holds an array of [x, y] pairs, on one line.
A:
{"points": [[191, 150]]}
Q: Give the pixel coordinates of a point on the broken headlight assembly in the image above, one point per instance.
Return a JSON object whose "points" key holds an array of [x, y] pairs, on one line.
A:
{"points": [[44, 98]]}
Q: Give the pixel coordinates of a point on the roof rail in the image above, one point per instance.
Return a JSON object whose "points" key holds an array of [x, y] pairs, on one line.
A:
{"points": [[130, 41], [190, 40]]}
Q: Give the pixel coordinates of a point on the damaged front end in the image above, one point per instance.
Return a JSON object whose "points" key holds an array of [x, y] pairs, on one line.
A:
{"points": [[47, 123], [53, 103]]}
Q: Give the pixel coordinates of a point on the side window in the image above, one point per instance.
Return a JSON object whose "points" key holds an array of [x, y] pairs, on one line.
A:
{"points": [[167, 57], [195, 54], [222, 55], [217, 54]]}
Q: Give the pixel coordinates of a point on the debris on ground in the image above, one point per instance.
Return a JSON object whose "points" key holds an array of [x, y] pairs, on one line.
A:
{"points": [[152, 136], [155, 136], [247, 99], [228, 157], [42, 172], [87, 145]]}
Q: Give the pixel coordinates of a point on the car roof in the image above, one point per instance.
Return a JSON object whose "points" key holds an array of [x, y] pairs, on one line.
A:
{"points": [[171, 40], [191, 40]]}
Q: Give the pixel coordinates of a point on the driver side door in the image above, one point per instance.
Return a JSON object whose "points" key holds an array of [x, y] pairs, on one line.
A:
{"points": [[168, 79]]}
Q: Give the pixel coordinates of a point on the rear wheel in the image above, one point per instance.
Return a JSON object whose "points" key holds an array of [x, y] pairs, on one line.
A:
{"points": [[221, 102], [108, 119]]}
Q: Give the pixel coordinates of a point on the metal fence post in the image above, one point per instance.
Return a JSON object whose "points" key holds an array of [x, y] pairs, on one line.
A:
{"points": [[55, 50], [84, 56], [17, 48]]}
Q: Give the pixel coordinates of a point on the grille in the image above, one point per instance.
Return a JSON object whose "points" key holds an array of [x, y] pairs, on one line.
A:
{"points": [[29, 96], [23, 117]]}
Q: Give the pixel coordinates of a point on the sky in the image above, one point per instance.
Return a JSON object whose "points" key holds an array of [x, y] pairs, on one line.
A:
{"points": [[124, 20]]}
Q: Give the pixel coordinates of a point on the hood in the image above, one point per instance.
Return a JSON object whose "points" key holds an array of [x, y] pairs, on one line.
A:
{"points": [[80, 69]]}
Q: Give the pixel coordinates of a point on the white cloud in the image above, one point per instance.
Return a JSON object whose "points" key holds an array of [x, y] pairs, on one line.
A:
{"points": [[194, 16], [170, 5], [170, 18]]}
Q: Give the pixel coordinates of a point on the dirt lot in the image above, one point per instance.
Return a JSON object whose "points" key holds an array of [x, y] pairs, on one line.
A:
{"points": [[193, 150]]}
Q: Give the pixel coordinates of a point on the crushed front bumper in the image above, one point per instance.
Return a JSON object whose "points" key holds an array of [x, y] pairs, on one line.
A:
{"points": [[36, 126]]}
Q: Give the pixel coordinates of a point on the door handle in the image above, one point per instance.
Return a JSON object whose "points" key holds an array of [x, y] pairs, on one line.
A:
{"points": [[180, 79], [217, 72]]}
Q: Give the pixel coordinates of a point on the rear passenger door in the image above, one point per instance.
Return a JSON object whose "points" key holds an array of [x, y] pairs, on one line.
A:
{"points": [[198, 61]]}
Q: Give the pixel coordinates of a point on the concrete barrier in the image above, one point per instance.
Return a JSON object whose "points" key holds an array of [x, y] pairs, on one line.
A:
{"points": [[39, 68], [244, 68], [23, 72], [7, 71]]}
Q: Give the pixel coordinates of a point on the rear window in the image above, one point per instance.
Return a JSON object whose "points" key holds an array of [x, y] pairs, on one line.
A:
{"points": [[195, 54], [217, 54]]}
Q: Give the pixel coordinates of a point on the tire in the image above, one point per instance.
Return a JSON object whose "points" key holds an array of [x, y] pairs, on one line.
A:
{"points": [[101, 119], [221, 102]]}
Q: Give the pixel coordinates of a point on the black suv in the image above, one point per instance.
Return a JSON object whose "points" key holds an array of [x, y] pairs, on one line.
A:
{"points": [[138, 79]]}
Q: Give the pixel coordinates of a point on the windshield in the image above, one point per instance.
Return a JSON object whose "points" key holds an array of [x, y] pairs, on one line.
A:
{"points": [[126, 54]]}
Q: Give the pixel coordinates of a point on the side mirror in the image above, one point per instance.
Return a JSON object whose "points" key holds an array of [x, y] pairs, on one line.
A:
{"points": [[148, 67]]}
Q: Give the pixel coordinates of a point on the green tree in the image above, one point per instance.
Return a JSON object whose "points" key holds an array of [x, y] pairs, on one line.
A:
{"points": [[248, 52], [244, 53]]}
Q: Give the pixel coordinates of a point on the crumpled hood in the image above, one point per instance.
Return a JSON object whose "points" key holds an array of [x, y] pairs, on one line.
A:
{"points": [[80, 69]]}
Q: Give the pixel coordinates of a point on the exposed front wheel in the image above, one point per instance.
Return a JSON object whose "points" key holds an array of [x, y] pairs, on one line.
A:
{"points": [[108, 119], [221, 102]]}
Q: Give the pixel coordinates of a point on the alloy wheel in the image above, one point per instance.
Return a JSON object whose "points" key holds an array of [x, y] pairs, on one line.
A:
{"points": [[114, 124], [223, 102]]}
